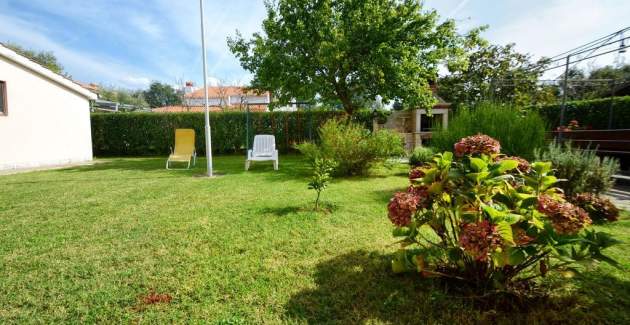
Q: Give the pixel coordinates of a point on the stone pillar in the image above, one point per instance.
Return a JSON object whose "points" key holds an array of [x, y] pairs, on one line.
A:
{"points": [[445, 120]]}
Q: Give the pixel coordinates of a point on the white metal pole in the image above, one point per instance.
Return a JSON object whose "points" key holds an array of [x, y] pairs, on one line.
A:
{"points": [[205, 92]]}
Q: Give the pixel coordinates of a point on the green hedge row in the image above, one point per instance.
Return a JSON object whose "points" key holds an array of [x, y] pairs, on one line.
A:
{"points": [[144, 134], [592, 113]]}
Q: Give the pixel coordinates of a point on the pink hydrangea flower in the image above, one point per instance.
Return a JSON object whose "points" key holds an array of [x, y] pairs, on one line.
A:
{"points": [[476, 145], [402, 207], [566, 218], [479, 239]]}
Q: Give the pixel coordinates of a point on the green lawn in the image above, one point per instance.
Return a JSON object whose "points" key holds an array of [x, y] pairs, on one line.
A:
{"points": [[88, 244]]}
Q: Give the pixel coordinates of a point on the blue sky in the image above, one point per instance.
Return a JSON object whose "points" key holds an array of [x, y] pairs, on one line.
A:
{"points": [[128, 43]]}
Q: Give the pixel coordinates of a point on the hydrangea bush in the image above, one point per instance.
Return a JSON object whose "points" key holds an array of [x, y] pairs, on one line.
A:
{"points": [[598, 208], [490, 220]]}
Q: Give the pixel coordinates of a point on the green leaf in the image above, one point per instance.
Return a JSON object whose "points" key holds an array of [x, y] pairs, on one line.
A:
{"points": [[547, 181], [478, 177], [515, 255], [505, 230], [494, 214], [478, 164], [529, 202], [506, 165], [542, 167], [500, 197], [401, 231], [512, 218]]}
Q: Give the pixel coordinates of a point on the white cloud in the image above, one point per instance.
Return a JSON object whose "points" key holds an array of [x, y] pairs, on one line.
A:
{"points": [[79, 64], [459, 7], [222, 19], [137, 82], [552, 27], [146, 25]]}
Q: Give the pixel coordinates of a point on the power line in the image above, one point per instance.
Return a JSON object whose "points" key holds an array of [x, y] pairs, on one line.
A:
{"points": [[585, 58], [591, 42]]}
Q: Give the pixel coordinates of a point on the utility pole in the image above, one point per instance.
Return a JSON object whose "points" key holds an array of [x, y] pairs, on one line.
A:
{"points": [[205, 92], [564, 95]]}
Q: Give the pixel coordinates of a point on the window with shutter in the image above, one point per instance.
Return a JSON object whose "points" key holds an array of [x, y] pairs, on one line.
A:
{"points": [[3, 98]]}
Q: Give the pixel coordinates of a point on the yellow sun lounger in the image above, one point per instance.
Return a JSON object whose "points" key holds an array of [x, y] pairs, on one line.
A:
{"points": [[184, 148]]}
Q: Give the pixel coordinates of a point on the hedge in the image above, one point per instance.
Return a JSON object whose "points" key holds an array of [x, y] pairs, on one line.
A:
{"points": [[146, 134], [592, 112]]}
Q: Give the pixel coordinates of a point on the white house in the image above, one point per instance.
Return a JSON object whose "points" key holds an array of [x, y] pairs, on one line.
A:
{"points": [[44, 117]]}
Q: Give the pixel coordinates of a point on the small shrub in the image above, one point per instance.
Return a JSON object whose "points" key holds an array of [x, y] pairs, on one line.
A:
{"points": [[321, 176], [519, 134], [582, 169], [598, 208], [420, 155], [488, 221], [352, 147]]}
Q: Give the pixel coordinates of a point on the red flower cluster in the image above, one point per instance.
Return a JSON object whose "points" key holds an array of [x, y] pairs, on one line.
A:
{"points": [[476, 145], [566, 218], [422, 192], [598, 208], [479, 239], [416, 173], [523, 165], [402, 207]]}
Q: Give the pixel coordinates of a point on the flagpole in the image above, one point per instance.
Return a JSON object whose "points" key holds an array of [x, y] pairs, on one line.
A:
{"points": [[205, 92]]}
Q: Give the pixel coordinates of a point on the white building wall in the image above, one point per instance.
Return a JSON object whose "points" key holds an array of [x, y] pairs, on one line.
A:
{"points": [[47, 124]]}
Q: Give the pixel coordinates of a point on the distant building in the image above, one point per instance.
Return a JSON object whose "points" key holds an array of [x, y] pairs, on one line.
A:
{"points": [[228, 96], [416, 126], [220, 98], [44, 117], [183, 108]]}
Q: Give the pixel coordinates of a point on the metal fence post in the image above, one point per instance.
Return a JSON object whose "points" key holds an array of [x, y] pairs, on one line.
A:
{"points": [[564, 95], [610, 106]]}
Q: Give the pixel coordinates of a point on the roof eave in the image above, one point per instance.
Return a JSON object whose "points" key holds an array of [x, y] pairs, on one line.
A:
{"points": [[46, 73]]}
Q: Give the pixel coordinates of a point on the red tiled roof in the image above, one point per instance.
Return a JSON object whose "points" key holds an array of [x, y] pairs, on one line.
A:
{"points": [[215, 91], [181, 108]]}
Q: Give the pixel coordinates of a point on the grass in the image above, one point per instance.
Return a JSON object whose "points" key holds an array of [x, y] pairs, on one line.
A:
{"points": [[127, 241]]}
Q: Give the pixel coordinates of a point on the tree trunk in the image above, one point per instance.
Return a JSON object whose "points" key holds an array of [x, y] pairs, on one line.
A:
{"points": [[348, 105], [342, 92]]}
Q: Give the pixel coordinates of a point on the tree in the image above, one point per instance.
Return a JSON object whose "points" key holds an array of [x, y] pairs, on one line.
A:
{"points": [[44, 58], [604, 81], [495, 72], [349, 51], [133, 98], [160, 94], [322, 168]]}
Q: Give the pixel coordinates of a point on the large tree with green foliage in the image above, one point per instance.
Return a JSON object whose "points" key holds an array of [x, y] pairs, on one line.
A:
{"points": [[601, 82], [160, 94], [45, 58], [349, 51], [133, 98], [497, 73]]}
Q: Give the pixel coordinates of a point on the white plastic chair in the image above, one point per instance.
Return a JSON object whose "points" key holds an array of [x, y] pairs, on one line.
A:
{"points": [[264, 150]]}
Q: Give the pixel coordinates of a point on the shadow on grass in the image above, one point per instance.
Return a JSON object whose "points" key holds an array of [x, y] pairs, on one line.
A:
{"points": [[358, 287], [291, 167], [324, 208]]}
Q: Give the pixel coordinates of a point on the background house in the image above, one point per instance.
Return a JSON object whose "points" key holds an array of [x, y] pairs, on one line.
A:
{"points": [[220, 98], [44, 117], [416, 126]]}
